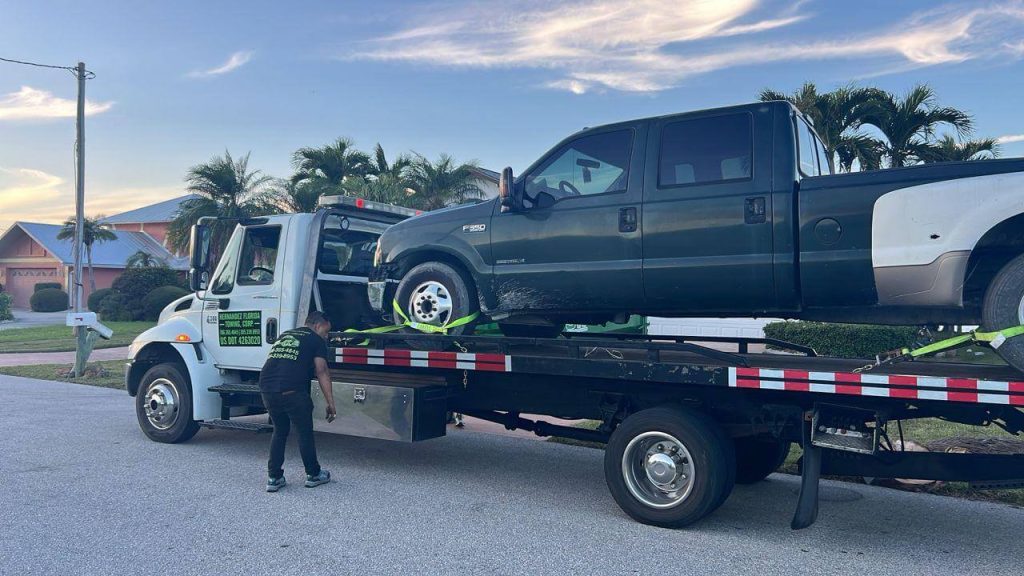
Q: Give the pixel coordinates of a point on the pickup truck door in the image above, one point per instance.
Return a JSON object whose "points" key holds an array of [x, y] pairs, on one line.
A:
{"points": [[576, 244], [707, 214], [242, 305]]}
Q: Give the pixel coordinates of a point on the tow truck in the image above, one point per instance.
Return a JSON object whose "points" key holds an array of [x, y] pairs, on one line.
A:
{"points": [[682, 419]]}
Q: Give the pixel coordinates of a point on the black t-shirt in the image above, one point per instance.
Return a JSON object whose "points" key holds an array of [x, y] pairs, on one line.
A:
{"points": [[290, 363]]}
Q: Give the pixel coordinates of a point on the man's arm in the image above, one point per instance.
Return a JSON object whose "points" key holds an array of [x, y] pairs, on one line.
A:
{"points": [[323, 376]]}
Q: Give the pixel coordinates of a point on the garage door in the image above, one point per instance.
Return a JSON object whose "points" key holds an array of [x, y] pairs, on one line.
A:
{"points": [[22, 281]]}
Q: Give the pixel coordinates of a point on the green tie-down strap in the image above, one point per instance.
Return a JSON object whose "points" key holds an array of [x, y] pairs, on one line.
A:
{"points": [[993, 339], [406, 323]]}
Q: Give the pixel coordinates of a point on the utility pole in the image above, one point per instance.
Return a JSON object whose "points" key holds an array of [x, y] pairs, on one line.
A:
{"points": [[82, 346]]}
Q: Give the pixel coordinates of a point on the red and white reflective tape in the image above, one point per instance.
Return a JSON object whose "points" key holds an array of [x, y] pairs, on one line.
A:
{"points": [[424, 359], [883, 385]]}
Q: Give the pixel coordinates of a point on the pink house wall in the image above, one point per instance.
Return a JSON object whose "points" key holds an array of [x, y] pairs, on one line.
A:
{"points": [[158, 230]]}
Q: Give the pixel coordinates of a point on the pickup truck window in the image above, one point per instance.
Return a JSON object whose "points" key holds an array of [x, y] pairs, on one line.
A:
{"points": [[706, 150], [812, 154], [347, 252], [259, 256], [594, 164]]}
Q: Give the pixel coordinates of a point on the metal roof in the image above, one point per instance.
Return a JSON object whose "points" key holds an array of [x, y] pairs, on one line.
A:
{"points": [[159, 212], [486, 174], [112, 254]]}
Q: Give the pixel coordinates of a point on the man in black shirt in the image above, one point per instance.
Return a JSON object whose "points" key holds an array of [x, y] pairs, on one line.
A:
{"points": [[296, 357]]}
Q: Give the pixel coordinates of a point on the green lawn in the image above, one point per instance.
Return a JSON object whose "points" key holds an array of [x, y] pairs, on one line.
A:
{"points": [[108, 373], [61, 339]]}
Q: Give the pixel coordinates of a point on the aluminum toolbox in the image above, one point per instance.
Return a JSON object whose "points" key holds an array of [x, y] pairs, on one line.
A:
{"points": [[402, 408]]}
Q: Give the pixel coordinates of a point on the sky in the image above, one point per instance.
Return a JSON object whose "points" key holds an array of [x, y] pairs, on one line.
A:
{"points": [[496, 82]]}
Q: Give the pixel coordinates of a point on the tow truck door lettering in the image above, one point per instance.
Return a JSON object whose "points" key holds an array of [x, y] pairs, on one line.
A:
{"points": [[240, 328]]}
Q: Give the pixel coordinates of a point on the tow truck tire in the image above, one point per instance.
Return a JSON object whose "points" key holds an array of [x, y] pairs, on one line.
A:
{"points": [[1004, 308], [669, 466], [435, 293], [164, 404], [756, 458]]}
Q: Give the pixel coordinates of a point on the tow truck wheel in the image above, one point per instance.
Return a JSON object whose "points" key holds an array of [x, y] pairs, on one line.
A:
{"points": [[436, 294], [164, 404], [669, 466], [756, 458], [1004, 308]]}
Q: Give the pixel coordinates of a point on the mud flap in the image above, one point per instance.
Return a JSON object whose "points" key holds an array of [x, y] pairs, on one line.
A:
{"points": [[810, 474]]}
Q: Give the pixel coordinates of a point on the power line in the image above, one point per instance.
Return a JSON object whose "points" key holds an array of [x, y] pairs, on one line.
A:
{"points": [[88, 74]]}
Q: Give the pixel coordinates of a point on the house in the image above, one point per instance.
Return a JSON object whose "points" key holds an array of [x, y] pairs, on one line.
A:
{"points": [[31, 253], [486, 180]]}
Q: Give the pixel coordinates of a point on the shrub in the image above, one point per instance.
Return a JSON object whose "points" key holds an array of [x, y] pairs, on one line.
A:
{"points": [[158, 299], [49, 300], [47, 286], [135, 283], [93, 303], [5, 307], [113, 309], [843, 340]]}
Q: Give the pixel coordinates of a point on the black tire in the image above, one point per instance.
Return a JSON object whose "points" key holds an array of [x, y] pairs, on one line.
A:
{"points": [[530, 330], [414, 297], [163, 405], [654, 433], [756, 458], [1004, 308]]}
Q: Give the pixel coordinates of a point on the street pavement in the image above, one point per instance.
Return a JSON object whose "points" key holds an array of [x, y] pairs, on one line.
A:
{"points": [[32, 358], [82, 491], [29, 319]]}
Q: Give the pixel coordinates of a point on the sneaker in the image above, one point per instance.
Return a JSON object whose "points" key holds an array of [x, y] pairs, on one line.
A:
{"points": [[322, 478], [275, 484]]}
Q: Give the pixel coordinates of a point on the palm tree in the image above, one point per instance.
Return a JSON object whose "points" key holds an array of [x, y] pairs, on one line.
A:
{"points": [[303, 196], [92, 232], [331, 165], [442, 183], [225, 188], [143, 259], [379, 165], [947, 149], [909, 123], [837, 117]]}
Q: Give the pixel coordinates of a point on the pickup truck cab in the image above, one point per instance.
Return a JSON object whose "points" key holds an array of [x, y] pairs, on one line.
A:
{"points": [[731, 212]]}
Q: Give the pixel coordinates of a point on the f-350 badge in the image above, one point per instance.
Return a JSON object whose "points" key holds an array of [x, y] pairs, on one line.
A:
{"points": [[469, 228]]}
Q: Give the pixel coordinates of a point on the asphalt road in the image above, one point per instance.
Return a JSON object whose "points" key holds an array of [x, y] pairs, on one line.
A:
{"points": [[82, 491]]}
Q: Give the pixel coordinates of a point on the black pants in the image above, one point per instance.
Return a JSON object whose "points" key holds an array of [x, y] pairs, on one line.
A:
{"points": [[294, 410]]}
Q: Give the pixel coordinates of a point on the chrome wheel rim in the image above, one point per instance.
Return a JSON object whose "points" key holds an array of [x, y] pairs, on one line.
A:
{"points": [[658, 470], [1020, 311], [161, 402], [430, 303]]}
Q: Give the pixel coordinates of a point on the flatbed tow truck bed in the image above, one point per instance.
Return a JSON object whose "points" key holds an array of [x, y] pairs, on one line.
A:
{"points": [[836, 411]]}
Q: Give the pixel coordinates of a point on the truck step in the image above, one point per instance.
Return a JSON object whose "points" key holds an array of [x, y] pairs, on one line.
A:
{"points": [[256, 427], [236, 388]]}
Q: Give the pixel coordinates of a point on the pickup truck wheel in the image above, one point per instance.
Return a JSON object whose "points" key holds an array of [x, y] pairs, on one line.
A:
{"points": [[436, 294], [1004, 308], [669, 466], [756, 458], [164, 404]]}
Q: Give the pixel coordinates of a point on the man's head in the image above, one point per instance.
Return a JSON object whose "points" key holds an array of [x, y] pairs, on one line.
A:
{"points": [[317, 322]]}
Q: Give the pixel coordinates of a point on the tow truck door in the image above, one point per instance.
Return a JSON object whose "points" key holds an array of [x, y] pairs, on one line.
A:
{"points": [[241, 308]]}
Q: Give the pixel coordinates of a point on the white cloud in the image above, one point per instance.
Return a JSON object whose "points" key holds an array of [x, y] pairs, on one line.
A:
{"points": [[235, 61], [33, 104], [650, 45], [1010, 139]]}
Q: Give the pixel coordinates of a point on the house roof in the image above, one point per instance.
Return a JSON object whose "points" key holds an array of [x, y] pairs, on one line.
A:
{"points": [[112, 254], [159, 212], [486, 174]]}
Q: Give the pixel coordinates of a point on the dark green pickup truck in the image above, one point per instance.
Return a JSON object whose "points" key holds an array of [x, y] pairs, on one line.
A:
{"points": [[729, 212]]}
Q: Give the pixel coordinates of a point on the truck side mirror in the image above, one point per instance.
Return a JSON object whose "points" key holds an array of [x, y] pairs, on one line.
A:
{"points": [[199, 256], [510, 200]]}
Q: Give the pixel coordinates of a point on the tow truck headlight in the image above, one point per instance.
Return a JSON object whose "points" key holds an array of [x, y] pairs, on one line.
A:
{"points": [[378, 255]]}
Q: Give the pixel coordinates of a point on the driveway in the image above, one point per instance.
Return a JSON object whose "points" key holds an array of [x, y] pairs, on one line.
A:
{"points": [[28, 319], [84, 492]]}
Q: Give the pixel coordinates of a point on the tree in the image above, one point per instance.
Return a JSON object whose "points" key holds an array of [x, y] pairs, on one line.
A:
{"points": [[331, 165], [142, 259], [909, 124], [226, 188], [948, 149], [837, 117], [92, 232], [292, 196], [441, 183]]}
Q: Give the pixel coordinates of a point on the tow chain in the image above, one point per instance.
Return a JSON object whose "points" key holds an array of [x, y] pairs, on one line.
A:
{"points": [[991, 339]]}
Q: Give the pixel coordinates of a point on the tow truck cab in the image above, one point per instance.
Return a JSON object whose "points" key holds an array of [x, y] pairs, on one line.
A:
{"points": [[268, 275]]}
